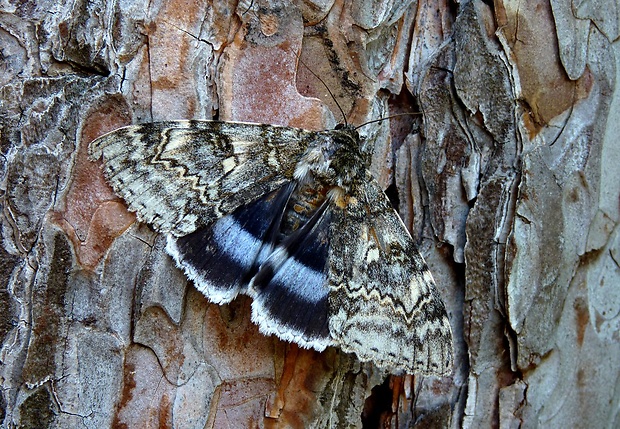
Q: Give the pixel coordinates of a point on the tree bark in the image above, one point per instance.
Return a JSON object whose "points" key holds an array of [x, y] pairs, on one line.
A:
{"points": [[507, 178]]}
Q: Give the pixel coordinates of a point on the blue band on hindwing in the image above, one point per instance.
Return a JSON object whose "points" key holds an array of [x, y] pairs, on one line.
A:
{"points": [[222, 256], [291, 286]]}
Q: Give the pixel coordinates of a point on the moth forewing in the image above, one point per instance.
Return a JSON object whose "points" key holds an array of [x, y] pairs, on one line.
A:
{"points": [[384, 303], [179, 175]]}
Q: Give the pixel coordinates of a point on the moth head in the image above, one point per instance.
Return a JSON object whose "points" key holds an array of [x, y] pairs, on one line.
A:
{"points": [[333, 157]]}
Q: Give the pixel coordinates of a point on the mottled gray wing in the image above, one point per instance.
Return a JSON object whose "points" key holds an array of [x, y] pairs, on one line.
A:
{"points": [[181, 175], [384, 305]]}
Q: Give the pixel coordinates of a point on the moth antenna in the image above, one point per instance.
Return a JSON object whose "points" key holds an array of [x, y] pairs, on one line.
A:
{"points": [[331, 94], [388, 117], [344, 117], [248, 9]]}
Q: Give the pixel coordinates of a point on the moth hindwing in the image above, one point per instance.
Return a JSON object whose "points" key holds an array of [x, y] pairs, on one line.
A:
{"points": [[294, 219]]}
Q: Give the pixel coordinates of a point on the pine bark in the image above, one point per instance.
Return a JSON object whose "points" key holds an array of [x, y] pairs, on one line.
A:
{"points": [[507, 178]]}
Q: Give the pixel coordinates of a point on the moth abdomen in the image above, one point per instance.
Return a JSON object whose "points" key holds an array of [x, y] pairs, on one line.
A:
{"points": [[302, 205]]}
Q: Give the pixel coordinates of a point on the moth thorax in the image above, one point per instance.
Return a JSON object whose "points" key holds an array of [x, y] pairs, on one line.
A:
{"points": [[303, 203], [333, 158]]}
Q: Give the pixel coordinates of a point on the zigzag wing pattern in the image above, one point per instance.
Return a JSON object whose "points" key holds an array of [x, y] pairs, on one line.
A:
{"points": [[180, 175], [384, 305]]}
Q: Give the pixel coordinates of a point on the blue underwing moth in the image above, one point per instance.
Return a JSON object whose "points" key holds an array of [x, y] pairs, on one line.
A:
{"points": [[294, 219]]}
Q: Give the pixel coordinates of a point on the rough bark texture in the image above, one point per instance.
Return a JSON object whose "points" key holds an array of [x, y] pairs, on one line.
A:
{"points": [[509, 179]]}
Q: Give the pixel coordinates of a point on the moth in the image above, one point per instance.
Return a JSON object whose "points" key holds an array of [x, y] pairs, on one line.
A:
{"points": [[294, 219]]}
